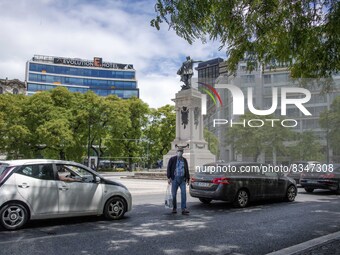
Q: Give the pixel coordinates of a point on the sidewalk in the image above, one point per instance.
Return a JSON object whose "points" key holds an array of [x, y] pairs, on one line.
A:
{"points": [[146, 175], [324, 245], [126, 173]]}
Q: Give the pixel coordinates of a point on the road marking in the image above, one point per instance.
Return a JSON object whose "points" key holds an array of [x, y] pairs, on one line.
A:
{"points": [[23, 239]]}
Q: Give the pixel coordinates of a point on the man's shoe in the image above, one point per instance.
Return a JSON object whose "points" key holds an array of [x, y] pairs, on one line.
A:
{"points": [[174, 211], [185, 212]]}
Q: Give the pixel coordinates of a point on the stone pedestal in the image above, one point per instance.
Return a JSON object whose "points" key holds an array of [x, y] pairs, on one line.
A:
{"points": [[189, 130]]}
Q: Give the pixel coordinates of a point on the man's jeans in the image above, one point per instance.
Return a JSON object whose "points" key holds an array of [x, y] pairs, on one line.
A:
{"points": [[179, 181]]}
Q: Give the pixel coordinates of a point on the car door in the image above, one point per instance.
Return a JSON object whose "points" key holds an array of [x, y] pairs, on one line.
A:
{"points": [[259, 185], [271, 183], [250, 173], [282, 185], [80, 195], [253, 180], [37, 185]]}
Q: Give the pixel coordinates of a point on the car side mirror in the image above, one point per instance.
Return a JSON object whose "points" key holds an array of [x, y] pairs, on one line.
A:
{"points": [[97, 179]]}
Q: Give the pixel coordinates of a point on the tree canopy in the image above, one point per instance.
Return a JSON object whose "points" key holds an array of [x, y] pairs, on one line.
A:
{"points": [[330, 120], [63, 125], [308, 147], [59, 124], [251, 141], [305, 35]]}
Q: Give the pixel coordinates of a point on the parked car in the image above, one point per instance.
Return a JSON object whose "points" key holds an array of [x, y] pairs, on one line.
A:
{"points": [[104, 164], [329, 179], [120, 165], [43, 189], [241, 188], [117, 165], [299, 167]]}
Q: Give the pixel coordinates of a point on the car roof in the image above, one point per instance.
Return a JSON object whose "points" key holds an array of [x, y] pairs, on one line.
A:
{"points": [[236, 163], [18, 162], [305, 162]]}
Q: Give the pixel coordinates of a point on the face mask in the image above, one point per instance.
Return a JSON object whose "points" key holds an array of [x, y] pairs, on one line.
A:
{"points": [[179, 153]]}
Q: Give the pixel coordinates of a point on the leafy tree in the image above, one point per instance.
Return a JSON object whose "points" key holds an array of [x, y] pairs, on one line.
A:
{"points": [[252, 141], [330, 121], [303, 34], [79, 122], [307, 147], [127, 142], [13, 133], [160, 131], [37, 111], [118, 120], [213, 144], [98, 119], [61, 124], [56, 132]]}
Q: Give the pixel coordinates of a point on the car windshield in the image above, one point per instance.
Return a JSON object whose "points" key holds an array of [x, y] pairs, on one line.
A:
{"points": [[76, 171], [337, 168], [3, 167]]}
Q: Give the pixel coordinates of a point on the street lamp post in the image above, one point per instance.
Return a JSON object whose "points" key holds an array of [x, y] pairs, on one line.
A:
{"points": [[327, 138], [89, 142]]}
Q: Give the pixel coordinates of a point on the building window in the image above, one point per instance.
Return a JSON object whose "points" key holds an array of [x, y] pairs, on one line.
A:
{"points": [[15, 91], [281, 77], [267, 79], [248, 79], [243, 68]]}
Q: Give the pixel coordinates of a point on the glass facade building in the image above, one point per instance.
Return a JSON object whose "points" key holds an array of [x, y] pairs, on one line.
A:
{"points": [[79, 75]]}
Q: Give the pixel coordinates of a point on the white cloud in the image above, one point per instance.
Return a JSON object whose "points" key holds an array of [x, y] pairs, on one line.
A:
{"points": [[117, 31], [158, 90]]}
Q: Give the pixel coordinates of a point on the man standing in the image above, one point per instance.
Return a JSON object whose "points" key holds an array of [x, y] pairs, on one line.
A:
{"points": [[178, 175]]}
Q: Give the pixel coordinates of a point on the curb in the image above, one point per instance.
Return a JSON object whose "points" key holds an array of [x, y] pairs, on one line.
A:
{"points": [[309, 245], [148, 176]]}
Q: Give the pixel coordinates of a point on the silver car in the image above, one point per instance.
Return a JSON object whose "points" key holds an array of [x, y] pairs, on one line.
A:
{"points": [[42, 189]]}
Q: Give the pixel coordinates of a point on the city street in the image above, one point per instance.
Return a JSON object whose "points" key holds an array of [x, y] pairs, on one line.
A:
{"points": [[149, 228]]}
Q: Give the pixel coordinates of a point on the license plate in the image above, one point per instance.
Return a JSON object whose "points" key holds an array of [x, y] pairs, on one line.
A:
{"points": [[203, 184], [313, 182]]}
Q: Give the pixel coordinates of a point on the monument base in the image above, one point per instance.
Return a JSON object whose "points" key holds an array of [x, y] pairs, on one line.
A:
{"points": [[189, 130], [197, 154]]}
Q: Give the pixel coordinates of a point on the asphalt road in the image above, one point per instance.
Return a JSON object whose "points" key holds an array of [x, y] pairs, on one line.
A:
{"points": [[149, 228]]}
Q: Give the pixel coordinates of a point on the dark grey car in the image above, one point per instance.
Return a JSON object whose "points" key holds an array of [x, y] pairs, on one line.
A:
{"points": [[329, 179], [240, 187], [297, 168]]}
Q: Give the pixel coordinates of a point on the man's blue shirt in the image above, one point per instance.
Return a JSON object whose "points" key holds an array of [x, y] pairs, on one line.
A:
{"points": [[179, 167]]}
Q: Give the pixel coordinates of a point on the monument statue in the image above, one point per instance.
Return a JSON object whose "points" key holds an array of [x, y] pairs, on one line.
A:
{"points": [[189, 122], [186, 72]]}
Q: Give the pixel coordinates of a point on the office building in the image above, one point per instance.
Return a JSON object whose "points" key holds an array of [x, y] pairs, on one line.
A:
{"points": [[80, 75], [208, 72]]}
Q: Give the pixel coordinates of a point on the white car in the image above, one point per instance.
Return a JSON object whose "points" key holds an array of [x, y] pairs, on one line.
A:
{"points": [[40, 189]]}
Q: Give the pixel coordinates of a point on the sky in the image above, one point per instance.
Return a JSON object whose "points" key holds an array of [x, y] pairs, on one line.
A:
{"points": [[118, 31]]}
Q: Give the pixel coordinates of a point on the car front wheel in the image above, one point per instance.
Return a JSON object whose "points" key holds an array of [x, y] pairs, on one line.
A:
{"points": [[309, 190], [291, 193], [13, 216], [242, 199], [205, 200], [115, 208]]}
